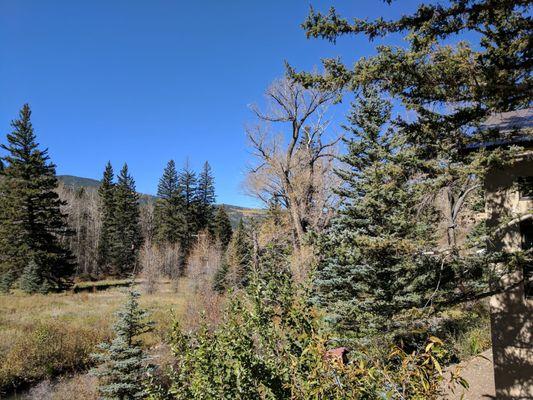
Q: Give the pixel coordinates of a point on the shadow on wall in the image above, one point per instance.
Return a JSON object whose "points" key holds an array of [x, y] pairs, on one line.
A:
{"points": [[512, 328], [511, 310]]}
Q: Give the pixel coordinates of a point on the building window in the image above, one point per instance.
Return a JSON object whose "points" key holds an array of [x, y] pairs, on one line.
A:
{"points": [[525, 187], [526, 230]]}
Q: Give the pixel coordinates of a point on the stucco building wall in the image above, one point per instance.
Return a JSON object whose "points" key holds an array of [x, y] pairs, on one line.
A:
{"points": [[511, 311]]}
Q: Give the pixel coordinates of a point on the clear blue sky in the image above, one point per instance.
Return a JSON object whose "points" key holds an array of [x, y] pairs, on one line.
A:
{"points": [[147, 81]]}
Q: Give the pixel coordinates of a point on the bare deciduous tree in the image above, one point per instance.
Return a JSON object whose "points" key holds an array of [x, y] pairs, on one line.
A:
{"points": [[151, 264], [81, 206], [293, 155], [202, 264]]}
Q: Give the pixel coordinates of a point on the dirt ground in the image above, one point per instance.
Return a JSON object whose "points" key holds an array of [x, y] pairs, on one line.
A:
{"points": [[479, 374]]}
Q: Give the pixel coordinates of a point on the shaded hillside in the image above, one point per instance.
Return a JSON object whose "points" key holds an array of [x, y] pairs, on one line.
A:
{"points": [[235, 213], [77, 181]]}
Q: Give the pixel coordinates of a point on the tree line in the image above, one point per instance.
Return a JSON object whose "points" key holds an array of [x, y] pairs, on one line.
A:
{"points": [[46, 241]]}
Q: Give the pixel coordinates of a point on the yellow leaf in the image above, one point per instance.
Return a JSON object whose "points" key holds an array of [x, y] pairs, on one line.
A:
{"points": [[435, 339], [437, 365]]}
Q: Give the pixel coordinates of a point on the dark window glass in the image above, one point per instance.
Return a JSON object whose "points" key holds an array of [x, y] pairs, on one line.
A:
{"points": [[526, 229], [525, 187]]}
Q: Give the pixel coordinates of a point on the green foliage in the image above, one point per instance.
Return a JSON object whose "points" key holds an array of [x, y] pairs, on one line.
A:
{"points": [[372, 268], [31, 280], [127, 233], [188, 182], [235, 266], [220, 279], [474, 79], [122, 363], [377, 258], [205, 194], [170, 222], [107, 228], [32, 225], [272, 345], [222, 229]]}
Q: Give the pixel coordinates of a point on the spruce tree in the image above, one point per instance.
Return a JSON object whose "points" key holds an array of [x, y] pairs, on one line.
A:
{"points": [[127, 231], [451, 86], [369, 273], [446, 89], [30, 281], [32, 225], [188, 188], [107, 209], [205, 194], [170, 221], [122, 363], [222, 227], [220, 279]]}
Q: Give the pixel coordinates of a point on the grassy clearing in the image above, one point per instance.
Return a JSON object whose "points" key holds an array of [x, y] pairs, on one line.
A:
{"points": [[99, 285], [42, 336]]}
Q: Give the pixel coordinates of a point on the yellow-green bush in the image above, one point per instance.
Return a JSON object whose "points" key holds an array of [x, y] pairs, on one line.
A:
{"points": [[46, 349]]}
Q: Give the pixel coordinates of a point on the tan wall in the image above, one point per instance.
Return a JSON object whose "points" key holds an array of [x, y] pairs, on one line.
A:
{"points": [[511, 313]]}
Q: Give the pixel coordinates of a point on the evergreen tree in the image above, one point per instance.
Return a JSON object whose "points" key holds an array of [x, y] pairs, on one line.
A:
{"points": [[127, 231], [446, 89], [467, 81], [222, 227], [369, 273], [220, 279], [206, 199], [122, 370], [32, 225], [188, 188], [107, 209], [239, 256], [30, 281], [170, 222]]}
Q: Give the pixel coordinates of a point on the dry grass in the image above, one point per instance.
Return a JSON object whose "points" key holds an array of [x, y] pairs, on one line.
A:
{"points": [[42, 336]]}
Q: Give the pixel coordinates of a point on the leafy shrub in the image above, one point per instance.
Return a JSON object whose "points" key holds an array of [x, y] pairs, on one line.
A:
{"points": [[272, 345]]}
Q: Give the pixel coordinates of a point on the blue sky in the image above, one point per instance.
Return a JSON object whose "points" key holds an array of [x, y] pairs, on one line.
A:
{"points": [[147, 81]]}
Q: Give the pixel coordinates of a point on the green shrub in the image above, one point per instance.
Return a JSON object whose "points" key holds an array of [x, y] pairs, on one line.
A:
{"points": [[272, 345]]}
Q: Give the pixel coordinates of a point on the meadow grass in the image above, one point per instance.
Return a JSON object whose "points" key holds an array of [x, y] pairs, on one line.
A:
{"points": [[42, 336]]}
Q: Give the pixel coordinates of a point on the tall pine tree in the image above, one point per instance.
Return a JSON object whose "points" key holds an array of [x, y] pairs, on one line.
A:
{"points": [[107, 208], [370, 272], [127, 231], [222, 227], [206, 199], [32, 225], [170, 221], [446, 88], [187, 181]]}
